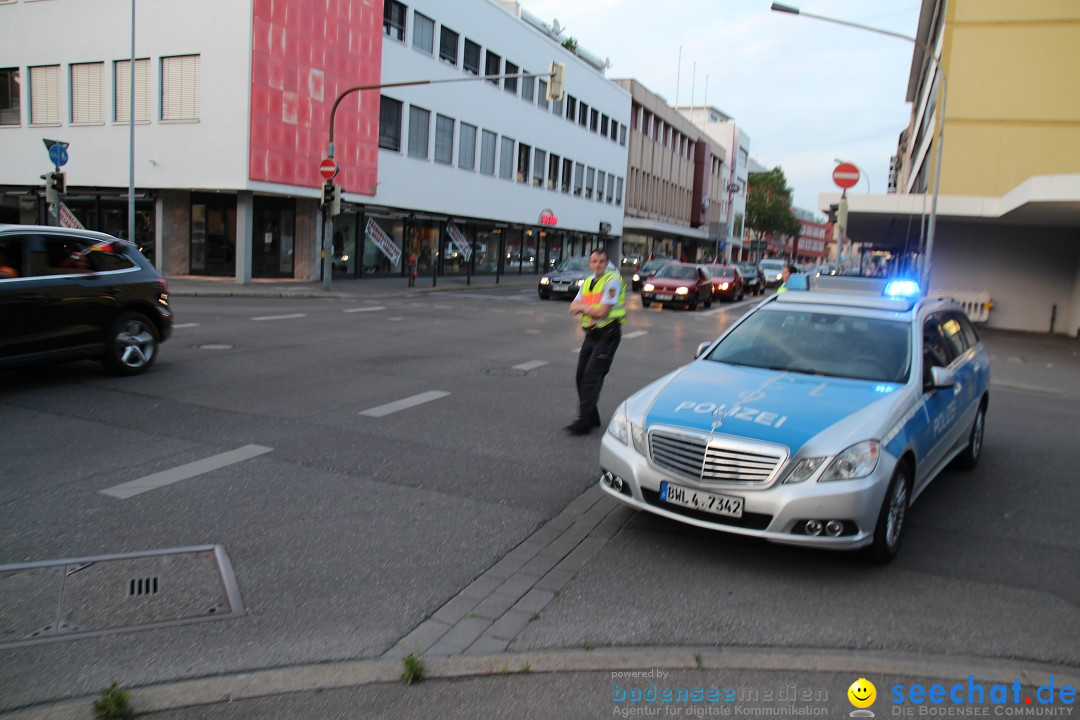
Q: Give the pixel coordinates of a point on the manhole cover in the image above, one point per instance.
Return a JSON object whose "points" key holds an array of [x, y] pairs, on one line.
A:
{"points": [[109, 594], [504, 372], [213, 347]]}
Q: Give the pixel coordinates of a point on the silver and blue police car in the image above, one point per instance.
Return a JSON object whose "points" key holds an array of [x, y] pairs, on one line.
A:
{"points": [[816, 419]]}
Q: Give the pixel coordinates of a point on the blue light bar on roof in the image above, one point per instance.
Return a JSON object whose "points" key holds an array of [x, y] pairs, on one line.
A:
{"points": [[902, 289]]}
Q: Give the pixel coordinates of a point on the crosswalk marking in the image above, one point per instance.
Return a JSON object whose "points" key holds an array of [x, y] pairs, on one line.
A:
{"points": [[280, 317], [365, 309], [531, 365], [405, 404], [184, 472]]}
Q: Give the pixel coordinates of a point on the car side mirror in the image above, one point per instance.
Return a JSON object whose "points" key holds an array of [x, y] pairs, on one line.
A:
{"points": [[702, 348], [941, 377]]}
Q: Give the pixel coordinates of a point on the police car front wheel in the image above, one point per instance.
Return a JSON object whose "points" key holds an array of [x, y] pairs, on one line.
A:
{"points": [[890, 524]]}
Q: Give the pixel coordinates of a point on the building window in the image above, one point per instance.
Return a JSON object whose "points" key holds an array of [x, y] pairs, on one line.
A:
{"points": [[590, 179], [618, 191], [557, 107], [423, 34], [122, 90], [622, 134], [601, 178], [487, 152], [506, 159], [541, 96], [180, 87], [583, 115], [10, 108], [604, 125], [571, 108], [539, 160], [553, 172], [448, 43], [524, 153], [393, 20], [419, 122], [567, 171], [45, 95], [528, 87], [471, 60], [444, 139], [390, 124], [614, 131], [594, 120], [611, 188], [467, 147], [510, 84], [87, 93], [492, 65], [579, 178]]}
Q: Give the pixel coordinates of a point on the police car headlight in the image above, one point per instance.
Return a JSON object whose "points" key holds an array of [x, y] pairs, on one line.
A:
{"points": [[648, 287], [545, 280], [619, 426], [682, 291], [580, 282], [856, 462], [638, 433], [804, 470]]}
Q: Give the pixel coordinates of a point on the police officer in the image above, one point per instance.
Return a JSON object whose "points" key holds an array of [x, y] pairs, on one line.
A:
{"points": [[784, 275], [601, 303]]}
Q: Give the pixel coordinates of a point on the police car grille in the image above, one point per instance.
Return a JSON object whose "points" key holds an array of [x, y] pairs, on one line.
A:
{"points": [[697, 458]]}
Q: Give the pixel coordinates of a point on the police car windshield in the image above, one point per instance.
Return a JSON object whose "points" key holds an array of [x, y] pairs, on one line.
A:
{"points": [[820, 343], [574, 263]]}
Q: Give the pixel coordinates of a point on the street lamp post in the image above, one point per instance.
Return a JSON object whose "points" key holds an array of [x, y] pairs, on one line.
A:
{"points": [[924, 275]]}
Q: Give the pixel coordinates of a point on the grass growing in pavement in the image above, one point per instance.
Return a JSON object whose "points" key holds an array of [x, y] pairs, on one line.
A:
{"points": [[113, 704], [413, 671]]}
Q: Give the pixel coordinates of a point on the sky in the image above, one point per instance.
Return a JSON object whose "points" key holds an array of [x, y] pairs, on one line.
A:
{"points": [[806, 91]]}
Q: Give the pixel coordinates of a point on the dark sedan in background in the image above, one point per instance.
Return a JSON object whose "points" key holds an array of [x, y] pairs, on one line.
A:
{"points": [[646, 271], [565, 280], [753, 278], [74, 294]]}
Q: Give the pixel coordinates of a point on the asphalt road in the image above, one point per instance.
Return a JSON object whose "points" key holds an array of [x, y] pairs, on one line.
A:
{"points": [[367, 516]]}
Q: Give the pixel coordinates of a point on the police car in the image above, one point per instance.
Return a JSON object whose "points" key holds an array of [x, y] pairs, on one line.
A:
{"points": [[815, 420]]}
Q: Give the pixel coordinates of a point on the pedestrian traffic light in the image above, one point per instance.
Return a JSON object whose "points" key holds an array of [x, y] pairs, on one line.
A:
{"points": [[555, 81]]}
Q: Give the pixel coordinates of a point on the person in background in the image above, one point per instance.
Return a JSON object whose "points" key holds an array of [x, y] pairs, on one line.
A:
{"points": [[784, 275], [601, 304]]}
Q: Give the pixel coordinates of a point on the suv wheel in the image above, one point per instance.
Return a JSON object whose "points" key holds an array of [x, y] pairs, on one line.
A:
{"points": [[890, 524], [131, 346]]}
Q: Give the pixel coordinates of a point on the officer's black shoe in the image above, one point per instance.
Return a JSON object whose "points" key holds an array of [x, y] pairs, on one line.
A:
{"points": [[580, 427], [596, 420]]}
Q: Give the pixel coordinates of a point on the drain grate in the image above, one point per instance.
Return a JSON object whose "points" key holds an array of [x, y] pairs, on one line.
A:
{"points": [[504, 372], [142, 586]]}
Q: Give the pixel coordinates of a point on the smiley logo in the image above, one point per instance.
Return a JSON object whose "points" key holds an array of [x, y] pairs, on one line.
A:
{"points": [[862, 693]]}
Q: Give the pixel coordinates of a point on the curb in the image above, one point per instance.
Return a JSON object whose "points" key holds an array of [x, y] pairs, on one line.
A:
{"points": [[325, 676]]}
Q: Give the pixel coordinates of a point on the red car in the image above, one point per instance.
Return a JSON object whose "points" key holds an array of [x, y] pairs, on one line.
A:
{"points": [[682, 283], [727, 282]]}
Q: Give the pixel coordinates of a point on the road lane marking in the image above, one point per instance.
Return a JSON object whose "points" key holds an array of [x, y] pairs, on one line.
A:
{"points": [[185, 325], [531, 365], [366, 309], [185, 472], [532, 332], [280, 317], [636, 333], [409, 402]]}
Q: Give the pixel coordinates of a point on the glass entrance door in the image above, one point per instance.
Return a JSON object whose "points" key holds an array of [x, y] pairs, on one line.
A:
{"points": [[272, 247], [213, 235]]}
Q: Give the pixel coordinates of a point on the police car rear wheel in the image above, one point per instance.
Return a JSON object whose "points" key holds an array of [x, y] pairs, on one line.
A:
{"points": [[890, 524], [969, 458]]}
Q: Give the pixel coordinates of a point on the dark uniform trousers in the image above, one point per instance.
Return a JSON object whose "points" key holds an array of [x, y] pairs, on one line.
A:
{"points": [[594, 361]]}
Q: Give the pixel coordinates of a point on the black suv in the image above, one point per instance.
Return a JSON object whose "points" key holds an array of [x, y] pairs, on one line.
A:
{"points": [[71, 294]]}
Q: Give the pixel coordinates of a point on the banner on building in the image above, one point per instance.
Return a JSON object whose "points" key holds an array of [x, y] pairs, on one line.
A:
{"points": [[462, 244], [382, 241]]}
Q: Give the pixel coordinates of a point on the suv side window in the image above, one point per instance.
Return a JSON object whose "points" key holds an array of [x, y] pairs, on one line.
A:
{"points": [[954, 333], [936, 350], [12, 257], [70, 255], [970, 333]]}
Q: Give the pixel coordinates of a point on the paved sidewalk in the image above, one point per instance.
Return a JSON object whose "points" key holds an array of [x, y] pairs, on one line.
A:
{"points": [[201, 286]]}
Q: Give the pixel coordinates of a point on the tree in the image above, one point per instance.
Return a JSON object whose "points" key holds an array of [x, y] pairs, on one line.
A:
{"points": [[768, 205]]}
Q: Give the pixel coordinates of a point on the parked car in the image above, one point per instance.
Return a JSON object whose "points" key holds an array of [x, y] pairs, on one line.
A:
{"points": [[640, 276], [678, 284], [815, 420], [73, 294], [727, 282], [772, 269], [565, 280], [753, 277]]}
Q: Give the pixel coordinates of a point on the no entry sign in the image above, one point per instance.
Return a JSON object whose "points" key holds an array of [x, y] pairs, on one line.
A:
{"points": [[328, 168], [845, 175]]}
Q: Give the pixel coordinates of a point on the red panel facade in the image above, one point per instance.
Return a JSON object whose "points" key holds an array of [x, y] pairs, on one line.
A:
{"points": [[301, 60]]}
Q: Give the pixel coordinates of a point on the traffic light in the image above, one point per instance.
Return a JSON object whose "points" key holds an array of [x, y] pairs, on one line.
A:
{"points": [[832, 212], [54, 187], [331, 197], [555, 81], [58, 183]]}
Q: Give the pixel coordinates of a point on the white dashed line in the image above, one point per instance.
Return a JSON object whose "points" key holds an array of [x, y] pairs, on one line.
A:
{"points": [[185, 325], [365, 309], [636, 333], [184, 472], [409, 402], [280, 317], [531, 365]]}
